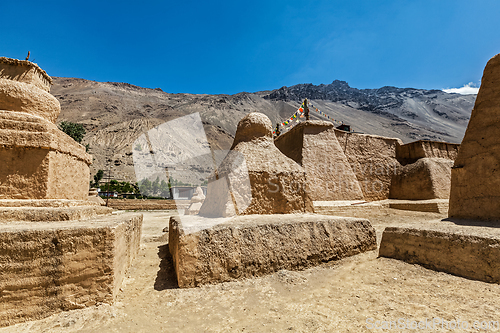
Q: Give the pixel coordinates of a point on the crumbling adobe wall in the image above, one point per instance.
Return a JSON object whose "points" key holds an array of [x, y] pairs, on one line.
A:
{"points": [[427, 178], [314, 145], [472, 254], [475, 177], [425, 171], [373, 160], [255, 245], [59, 266], [411, 152]]}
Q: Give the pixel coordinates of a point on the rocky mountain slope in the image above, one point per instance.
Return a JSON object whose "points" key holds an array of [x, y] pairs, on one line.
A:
{"points": [[116, 114]]}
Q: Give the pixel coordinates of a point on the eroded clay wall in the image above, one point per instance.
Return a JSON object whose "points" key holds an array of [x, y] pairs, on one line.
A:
{"points": [[44, 272], [68, 177], [372, 159], [36, 173], [127, 239], [428, 178], [328, 173], [475, 177], [23, 173], [291, 142], [411, 152], [329, 176], [47, 270]]}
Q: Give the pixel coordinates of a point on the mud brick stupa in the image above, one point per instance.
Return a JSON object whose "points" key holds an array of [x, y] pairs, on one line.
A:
{"points": [[58, 250], [40, 161]]}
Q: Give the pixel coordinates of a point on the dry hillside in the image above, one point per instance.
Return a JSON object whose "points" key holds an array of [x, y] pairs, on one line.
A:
{"points": [[116, 114]]}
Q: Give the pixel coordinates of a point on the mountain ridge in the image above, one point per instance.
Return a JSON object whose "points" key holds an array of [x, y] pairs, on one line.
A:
{"points": [[115, 113]]}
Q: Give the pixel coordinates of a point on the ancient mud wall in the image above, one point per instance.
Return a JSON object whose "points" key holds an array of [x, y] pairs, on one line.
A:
{"points": [[427, 178], [57, 266], [329, 175], [373, 160], [411, 152], [475, 177]]}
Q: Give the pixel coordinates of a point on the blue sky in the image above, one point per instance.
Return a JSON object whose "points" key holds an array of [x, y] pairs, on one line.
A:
{"points": [[233, 46]]}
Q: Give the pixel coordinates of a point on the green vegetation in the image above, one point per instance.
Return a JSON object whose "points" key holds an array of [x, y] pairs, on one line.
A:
{"points": [[156, 188], [145, 189], [76, 131], [97, 177], [120, 187]]}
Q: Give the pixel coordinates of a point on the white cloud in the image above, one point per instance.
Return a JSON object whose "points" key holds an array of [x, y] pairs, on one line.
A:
{"points": [[468, 89]]}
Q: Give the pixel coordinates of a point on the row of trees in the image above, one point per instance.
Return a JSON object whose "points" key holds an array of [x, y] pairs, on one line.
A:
{"points": [[120, 187], [155, 188], [147, 188]]}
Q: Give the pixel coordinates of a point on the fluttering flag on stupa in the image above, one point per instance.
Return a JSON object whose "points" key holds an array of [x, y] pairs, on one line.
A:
{"points": [[300, 114]]}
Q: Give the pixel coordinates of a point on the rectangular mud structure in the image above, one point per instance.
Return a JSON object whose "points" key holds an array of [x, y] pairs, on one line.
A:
{"points": [[470, 252], [205, 252], [51, 267]]}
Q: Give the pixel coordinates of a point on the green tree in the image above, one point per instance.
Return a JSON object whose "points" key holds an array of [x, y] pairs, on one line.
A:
{"points": [[156, 185], [126, 187], [76, 131], [97, 177], [145, 186], [164, 189]]}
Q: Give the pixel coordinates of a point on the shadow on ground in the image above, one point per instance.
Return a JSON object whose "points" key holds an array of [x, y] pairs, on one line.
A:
{"points": [[474, 223], [165, 278]]}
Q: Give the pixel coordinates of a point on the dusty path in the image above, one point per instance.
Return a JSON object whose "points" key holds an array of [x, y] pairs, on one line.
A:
{"points": [[336, 297]]}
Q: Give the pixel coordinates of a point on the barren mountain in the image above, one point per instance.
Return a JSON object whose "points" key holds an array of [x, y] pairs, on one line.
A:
{"points": [[116, 114]]}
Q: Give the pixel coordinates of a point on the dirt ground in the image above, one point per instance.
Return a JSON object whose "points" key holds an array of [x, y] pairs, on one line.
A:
{"points": [[345, 296]]}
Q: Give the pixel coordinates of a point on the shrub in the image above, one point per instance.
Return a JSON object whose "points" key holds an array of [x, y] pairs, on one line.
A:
{"points": [[76, 131]]}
